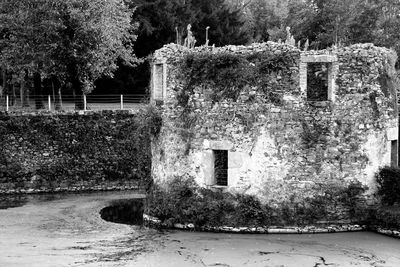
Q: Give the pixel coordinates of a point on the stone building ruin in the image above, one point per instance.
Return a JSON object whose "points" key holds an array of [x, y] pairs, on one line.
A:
{"points": [[326, 117]]}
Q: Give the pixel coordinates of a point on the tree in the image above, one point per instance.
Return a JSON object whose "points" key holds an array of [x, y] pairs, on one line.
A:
{"points": [[345, 22], [164, 21], [30, 38], [161, 20], [322, 22], [96, 34], [363, 27], [265, 19], [72, 41], [387, 28]]}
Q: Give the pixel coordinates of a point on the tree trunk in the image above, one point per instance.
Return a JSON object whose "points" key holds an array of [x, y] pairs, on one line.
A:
{"points": [[53, 92], [37, 84], [3, 85], [77, 86], [78, 94], [56, 98], [14, 93], [21, 92], [60, 105], [24, 91], [4, 74]]}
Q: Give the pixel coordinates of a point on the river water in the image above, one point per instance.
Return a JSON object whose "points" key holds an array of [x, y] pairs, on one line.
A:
{"points": [[67, 230]]}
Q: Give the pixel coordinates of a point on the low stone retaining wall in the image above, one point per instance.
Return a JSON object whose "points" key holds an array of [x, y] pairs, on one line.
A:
{"points": [[92, 151], [88, 188], [154, 222], [392, 233]]}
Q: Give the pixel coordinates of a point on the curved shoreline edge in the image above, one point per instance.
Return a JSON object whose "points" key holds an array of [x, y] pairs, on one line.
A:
{"points": [[151, 221]]}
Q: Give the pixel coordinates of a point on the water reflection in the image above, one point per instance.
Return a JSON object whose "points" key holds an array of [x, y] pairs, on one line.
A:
{"points": [[125, 211], [12, 201]]}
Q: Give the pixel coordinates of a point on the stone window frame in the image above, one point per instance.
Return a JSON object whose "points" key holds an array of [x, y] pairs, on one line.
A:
{"points": [[212, 146], [392, 135], [333, 65], [153, 96], [225, 172]]}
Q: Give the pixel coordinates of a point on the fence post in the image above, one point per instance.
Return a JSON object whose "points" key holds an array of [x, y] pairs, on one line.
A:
{"points": [[122, 101], [84, 102], [49, 102], [7, 106]]}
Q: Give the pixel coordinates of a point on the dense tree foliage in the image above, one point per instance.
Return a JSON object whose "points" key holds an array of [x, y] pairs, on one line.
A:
{"points": [[264, 19], [165, 21], [340, 22], [29, 37], [74, 41]]}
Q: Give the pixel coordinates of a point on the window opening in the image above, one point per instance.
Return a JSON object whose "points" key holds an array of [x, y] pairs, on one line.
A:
{"points": [[317, 81], [158, 82], [221, 167], [394, 153]]}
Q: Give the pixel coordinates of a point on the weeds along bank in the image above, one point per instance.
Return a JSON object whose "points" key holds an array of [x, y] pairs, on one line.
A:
{"points": [[183, 204], [73, 152], [277, 123]]}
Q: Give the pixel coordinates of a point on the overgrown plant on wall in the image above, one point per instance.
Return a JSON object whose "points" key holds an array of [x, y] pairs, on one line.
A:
{"points": [[72, 151], [228, 74], [313, 132], [225, 76]]}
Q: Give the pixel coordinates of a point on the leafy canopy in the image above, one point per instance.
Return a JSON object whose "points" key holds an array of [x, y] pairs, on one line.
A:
{"points": [[160, 20], [72, 39]]}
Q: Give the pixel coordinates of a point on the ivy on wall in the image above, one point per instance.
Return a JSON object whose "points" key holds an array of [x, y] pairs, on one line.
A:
{"points": [[47, 151], [228, 74], [225, 75]]}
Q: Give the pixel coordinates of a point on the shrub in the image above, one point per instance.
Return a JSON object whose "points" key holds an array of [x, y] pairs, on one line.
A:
{"points": [[388, 179], [211, 209], [306, 212], [183, 201], [385, 217], [250, 212], [350, 197], [170, 204]]}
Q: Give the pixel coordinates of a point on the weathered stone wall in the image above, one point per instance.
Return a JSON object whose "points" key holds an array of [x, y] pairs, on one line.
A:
{"points": [[288, 150], [73, 152]]}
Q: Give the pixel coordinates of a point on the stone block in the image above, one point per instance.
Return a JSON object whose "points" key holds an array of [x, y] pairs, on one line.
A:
{"points": [[392, 133], [235, 160], [220, 145], [318, 58]]}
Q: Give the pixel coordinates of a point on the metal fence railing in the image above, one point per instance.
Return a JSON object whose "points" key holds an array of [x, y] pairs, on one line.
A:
{"points": [[70, 102]]}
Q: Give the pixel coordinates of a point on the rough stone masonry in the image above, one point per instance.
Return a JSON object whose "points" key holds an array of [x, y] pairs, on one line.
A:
{"points": [[280, 149]]}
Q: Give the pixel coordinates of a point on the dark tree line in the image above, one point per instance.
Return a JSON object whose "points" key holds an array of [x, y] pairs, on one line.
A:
{"points": [[78, 45], [322, 22], [164, 21]]}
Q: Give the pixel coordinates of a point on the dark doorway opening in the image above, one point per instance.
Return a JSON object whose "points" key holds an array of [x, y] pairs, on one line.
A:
{"points": [[317, 82], [221, 167], [394, 153]]}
